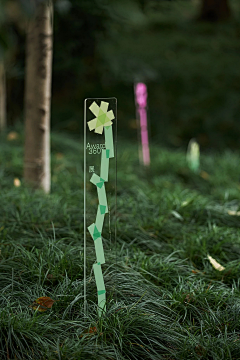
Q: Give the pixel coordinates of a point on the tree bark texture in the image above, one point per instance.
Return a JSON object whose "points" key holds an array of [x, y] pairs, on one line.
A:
{"points": [[38, 98], [214, 10], [3, 108]]}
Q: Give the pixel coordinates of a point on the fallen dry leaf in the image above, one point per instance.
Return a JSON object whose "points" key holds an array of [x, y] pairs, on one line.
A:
{"points": [[236, 339], [188, 298], [215, 264], [177, 215], [195, 271], [16, 182], [12, 135], [204, 175], [139, 345], [209, 286], [91, 330], [200, 350], [233, 212], [43, 303]]}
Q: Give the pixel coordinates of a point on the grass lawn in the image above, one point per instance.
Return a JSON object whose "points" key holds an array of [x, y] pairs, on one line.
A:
{"points": [[171, 302]]}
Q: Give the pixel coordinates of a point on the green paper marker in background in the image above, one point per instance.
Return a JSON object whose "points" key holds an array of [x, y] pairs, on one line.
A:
{"points": [[193, 156]]}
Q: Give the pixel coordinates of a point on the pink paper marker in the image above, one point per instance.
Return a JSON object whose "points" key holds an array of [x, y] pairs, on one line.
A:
{"points": [[141, 104]]}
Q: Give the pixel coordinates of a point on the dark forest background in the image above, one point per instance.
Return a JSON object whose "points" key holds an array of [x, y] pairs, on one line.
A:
{"points": [[102, 47]]}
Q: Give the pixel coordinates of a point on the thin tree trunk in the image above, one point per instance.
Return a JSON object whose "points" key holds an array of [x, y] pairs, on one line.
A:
{"points": [[38, 98], [3, 111], [214, 10]]}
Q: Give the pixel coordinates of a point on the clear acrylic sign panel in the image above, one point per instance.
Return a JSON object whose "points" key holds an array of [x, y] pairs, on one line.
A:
{"points": [[100, 176]]}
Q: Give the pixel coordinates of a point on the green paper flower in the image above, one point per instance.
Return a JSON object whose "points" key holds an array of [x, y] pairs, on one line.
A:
{"points": [[103, 117]]}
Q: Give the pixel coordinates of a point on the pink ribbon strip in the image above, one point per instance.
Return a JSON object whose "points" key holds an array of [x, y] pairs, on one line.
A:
{"points": [[141, 103]]}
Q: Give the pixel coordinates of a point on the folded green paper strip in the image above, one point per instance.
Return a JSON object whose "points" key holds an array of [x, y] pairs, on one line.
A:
{"points": [[96, 235], [100, 217], [109, 140], [100, 287], [104, 164]]}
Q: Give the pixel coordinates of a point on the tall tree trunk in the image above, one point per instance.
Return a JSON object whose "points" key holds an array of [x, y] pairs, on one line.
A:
{"points": [[214, 10], [38, 98], [3, 115]]}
